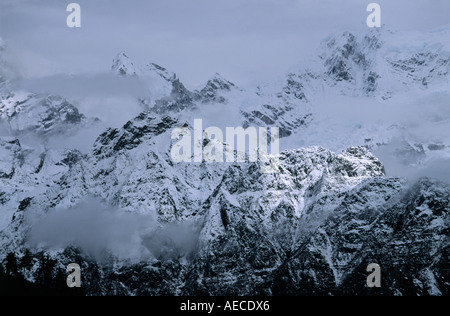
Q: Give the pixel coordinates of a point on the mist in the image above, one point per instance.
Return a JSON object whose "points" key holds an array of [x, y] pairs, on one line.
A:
{"points": [[106, 100], [413, 165], [4, 130], [84, 85], [100, 230], [244, 40]]}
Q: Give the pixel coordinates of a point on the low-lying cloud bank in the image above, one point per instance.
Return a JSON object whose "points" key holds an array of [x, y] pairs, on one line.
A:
{"points": [[100, 230]]}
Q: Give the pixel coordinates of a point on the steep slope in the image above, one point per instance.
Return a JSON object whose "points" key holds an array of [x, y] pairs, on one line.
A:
{"points": [[136, 159]]}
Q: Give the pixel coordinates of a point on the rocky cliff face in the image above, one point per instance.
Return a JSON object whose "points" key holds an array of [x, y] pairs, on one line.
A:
{"points": [[171, 228]]}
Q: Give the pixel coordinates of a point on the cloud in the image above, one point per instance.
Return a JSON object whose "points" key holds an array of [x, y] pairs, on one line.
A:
{"points": [[244, 40], [437, 169], [172, 241], [107, 97], [99, 230], [401, 160], [82, 139], [85, 85], [92, 227]]}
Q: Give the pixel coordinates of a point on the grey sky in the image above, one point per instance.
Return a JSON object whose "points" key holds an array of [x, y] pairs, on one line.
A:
{"points": [[244, 40]]}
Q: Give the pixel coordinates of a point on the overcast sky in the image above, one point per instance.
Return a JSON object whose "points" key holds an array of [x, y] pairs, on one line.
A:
{"points": [[244, 40]]}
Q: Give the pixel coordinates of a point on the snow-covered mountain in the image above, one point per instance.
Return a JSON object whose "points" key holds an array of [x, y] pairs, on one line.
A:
{"points": [[30, 113], [166, 228], [355, 92], [34, 113]]}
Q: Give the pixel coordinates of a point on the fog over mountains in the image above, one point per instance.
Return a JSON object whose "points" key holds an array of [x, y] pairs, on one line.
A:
{"points": [[86, 176]]}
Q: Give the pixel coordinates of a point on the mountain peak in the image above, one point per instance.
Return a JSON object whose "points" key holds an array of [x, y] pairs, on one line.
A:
{"points": [[123, 65], [214, 87], [218, 82], [161, 71]]}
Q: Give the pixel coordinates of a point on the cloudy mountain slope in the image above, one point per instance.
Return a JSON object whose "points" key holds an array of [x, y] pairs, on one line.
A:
{"points": [[32, 113], [43, 115], [307, 229], [372, 88], [369, 89], [140, 224]]}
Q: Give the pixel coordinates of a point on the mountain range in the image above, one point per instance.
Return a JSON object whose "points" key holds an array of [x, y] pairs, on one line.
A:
{"points": [[140, 224]]}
